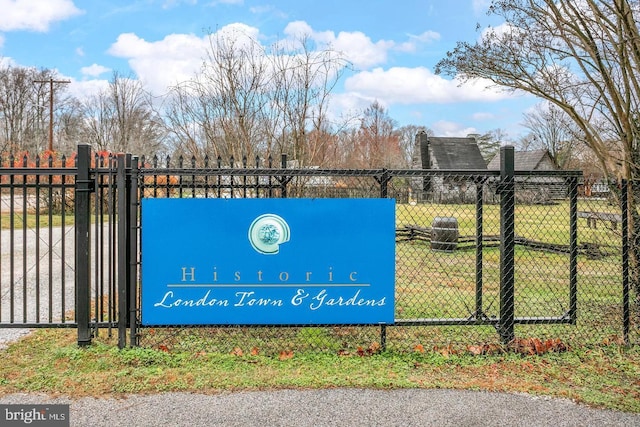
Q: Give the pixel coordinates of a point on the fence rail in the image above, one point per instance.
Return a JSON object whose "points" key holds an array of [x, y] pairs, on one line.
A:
{"points": [[524, 261]]}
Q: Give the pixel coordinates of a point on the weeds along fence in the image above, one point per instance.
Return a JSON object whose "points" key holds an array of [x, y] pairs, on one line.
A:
{"points": [[483, 258]]}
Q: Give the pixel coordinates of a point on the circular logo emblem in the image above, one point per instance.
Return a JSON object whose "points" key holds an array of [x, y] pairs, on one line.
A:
{"points": [[267, 232]]}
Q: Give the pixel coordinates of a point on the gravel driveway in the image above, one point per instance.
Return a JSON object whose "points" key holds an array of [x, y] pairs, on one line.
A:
{"points": [[20, 253], [333, 407]]}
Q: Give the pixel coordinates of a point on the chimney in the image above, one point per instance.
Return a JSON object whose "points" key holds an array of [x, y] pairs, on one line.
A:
{"points": [[423, 139]]}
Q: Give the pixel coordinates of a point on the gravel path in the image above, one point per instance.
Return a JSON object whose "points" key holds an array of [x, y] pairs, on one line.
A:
{"points": [[57, 249], [333, 407]]}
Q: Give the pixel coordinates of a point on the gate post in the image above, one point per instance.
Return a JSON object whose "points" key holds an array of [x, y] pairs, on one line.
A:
{"points": [[507, 244], [83, 257], [123, 303], [132, 253]]}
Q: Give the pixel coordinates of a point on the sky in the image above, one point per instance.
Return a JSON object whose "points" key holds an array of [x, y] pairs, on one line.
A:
{"points": [[393, 46]]}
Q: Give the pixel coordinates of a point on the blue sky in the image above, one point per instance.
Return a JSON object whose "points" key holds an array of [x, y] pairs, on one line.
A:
{"points": [[393, 46]]}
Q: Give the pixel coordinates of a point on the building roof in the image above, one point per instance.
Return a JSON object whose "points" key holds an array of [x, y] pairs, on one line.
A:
{"points": [[523, 160], [452, 153]]}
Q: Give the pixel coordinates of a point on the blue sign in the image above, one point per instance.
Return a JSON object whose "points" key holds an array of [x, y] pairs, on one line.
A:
{"points": [[268, 261]]}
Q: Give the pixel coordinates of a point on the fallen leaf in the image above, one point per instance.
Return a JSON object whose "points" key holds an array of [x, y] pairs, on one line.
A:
{"points": [[494, 349], [255, 351], [446, 351], [286, 354], [538, 346], [476, 350], [237, 352], [419, 348], [374, 348]]}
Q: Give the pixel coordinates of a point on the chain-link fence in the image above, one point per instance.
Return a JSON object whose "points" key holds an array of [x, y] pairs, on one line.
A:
{"points": [[481, 258]]}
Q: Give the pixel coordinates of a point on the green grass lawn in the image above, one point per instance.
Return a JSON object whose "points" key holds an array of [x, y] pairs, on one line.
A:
{"points": [[441, 285], [50, 362]]}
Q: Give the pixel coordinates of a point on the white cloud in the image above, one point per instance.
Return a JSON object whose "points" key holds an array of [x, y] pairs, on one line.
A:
{"points": [[86, 89], [1, 41], [168, 4], [174, 59], [163, 63], [451, 129], [34, 15], [349, 104], [94, 70], [301, 28], [482, 116], [356, 46], [7, 62], [415, 41], [400, 85], [267, 9], [178, 57], [481, 6], [426, 37], [360, 50]]}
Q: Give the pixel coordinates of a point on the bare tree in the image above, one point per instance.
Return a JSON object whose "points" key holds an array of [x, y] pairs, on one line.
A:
{"points": [[551, 131], [138, 128], [189, 127], [98, 126], [122, 119], [23, 109], [303, 81], [252, 100], [377, 143], [234, 84], [410, 150], [580, 56], [69, 129], [489, 143]]}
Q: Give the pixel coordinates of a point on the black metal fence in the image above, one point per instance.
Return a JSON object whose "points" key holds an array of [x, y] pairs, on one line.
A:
{"points": [[482, 257]]}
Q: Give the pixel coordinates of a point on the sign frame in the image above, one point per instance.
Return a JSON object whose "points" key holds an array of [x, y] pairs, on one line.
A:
{"points": [[267, 261]]}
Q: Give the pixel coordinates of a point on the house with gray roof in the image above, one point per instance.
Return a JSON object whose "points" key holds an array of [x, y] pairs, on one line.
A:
{"points": [[444, 153], [457, 156], [534, 188], [536, 160]]}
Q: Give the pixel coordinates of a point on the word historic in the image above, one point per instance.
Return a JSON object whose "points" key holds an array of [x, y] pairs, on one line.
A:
{"points": [[188, 274]]}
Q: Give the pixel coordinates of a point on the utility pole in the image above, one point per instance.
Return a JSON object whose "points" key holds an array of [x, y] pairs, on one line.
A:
{"points": [[51, 82]]}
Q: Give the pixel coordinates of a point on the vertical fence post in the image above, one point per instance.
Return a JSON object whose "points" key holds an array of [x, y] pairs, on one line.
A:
{"points": [[573, 249], [626, 316], [384, 183], [283, 180], [83, 256], [122, 250], [132, 199], [384, 193], [507, 244], [479, 313]]}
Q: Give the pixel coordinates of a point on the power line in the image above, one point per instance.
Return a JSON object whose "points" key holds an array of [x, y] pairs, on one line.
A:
{"points": [[51, 82]]}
